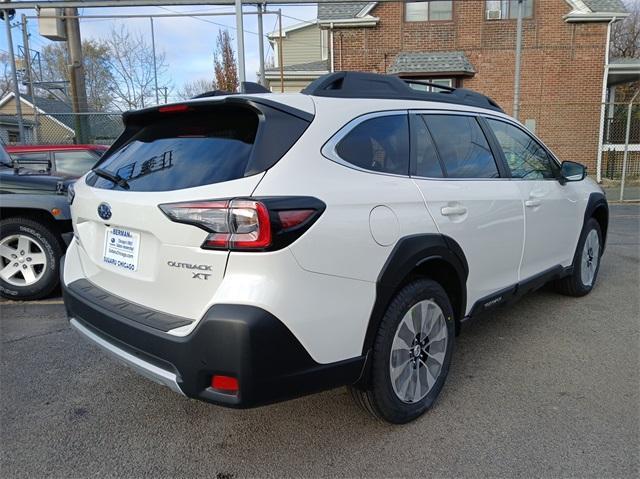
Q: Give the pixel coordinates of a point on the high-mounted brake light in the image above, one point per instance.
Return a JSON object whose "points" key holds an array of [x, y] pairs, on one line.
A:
{"points": [[246, 224], [173, 108]]}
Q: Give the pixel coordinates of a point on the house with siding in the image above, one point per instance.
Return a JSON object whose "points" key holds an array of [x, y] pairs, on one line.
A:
{"points": [[472, 45], [305, 57], [45, 120]]}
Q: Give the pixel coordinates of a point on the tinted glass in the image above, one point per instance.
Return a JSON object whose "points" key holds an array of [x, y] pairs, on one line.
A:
{"points": [[74, 163], [425, 156], [525, 157], [379, 144], [184, 151], [462, 146]]}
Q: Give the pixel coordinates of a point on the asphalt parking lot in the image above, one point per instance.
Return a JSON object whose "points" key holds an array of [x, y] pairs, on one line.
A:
{"points": [[547, 387]]}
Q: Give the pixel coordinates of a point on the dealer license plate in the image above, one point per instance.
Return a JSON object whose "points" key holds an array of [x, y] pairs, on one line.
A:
{"points": [[121, 248]]}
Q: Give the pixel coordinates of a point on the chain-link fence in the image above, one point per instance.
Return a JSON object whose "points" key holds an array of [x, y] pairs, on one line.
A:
{"points": [[62, 128], [621, 151]]}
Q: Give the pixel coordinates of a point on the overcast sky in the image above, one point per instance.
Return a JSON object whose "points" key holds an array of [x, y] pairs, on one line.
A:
{"points": [[187, 42]]}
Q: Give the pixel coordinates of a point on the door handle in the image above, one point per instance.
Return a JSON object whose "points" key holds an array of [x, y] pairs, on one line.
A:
{"points": [[453, 210], [532, 203]]}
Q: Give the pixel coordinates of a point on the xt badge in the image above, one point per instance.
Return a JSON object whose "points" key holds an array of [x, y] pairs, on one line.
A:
{"points": [[195, 274], [204, 276]]}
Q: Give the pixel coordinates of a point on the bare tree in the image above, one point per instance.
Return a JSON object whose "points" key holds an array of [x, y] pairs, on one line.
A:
{"points": [[6, 83], [98, 76], [131, 63], [625, 35], [195, 87], [226, 69]]}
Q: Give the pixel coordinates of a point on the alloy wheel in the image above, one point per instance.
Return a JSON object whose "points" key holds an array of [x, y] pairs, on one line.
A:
{"points": [[590, 258], [22, 260], [418, 351]]}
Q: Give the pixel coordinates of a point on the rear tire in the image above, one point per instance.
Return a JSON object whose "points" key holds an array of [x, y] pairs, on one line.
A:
{"points": [[586, 263], [30, 253], [411, 354]]}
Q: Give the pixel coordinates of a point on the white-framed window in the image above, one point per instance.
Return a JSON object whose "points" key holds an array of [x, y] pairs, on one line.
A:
{"points": [[507, 9], [445, 82], [324, 44], [428, 11]]}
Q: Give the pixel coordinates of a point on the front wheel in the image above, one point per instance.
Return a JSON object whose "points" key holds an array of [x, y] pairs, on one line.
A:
{"points": [[586, 264], [29, 257], [411, 354]]}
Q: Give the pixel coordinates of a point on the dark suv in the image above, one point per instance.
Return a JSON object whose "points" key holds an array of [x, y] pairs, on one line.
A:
{"points": [[35, 223]]}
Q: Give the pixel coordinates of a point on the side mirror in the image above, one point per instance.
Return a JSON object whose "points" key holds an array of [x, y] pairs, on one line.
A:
{"points": [[572, 171]]}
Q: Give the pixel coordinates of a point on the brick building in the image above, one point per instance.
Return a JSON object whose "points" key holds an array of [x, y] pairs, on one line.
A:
{"points": [[472, 44]]}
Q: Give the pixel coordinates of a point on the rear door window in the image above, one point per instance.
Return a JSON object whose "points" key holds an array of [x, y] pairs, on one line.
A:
{"points": [[184, 151], [423, 150], [462, 146], [379, 144]]}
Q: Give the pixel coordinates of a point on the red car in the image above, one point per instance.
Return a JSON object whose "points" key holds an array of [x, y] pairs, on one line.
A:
{"points": [[59, 160]]}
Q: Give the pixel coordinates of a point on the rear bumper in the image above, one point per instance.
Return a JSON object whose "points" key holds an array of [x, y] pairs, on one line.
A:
{"points": [[242, 341]]}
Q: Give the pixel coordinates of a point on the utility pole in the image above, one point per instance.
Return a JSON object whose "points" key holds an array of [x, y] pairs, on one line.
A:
{"points": [[8, 15], [27, 55], [29, 76], [516, 82], [240, 33], [261, 45], [76, 74], [280, 53], [155, 67]]}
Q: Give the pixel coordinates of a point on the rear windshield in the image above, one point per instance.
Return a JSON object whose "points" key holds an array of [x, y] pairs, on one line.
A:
{"points": [[183, 151]]}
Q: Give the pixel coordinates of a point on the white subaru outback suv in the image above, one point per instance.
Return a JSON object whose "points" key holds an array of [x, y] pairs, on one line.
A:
{"points": [[246, 249]]}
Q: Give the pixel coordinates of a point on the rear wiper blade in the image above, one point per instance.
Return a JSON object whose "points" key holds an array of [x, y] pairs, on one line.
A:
{"points": [[112, 177]]}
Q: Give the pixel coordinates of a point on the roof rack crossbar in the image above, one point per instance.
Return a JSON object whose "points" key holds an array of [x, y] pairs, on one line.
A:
{"points": [[346, 84]]}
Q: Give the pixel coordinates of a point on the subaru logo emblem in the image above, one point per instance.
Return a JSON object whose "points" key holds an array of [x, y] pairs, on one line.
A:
{"points": [[104, 211]]}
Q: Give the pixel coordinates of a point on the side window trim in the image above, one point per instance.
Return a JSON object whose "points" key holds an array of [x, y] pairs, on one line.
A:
{"points": [[497, 154], [329, 149], [537, 140]]}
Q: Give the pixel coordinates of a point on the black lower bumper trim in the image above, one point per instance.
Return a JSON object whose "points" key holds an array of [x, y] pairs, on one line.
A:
{"points": [[242, 341]]}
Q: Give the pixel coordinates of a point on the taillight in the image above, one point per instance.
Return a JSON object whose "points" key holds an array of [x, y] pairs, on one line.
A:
{"points": [[291, 218], [247, 224]]}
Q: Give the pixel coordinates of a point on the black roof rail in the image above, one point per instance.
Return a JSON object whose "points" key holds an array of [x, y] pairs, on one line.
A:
{"points": [[347, 84], [249, 88]]}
